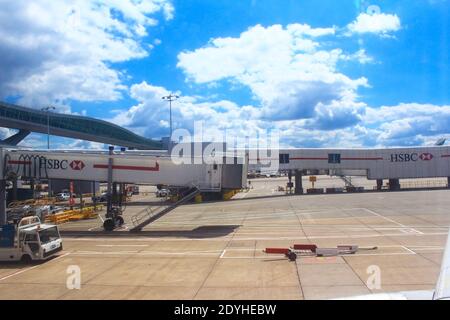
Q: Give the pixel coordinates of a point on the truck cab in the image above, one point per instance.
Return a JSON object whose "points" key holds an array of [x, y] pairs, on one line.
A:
{"points": [[29, 240]]}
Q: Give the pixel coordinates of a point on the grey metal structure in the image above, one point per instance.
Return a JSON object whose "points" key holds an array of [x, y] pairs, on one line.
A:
{"points": [[387, 163], [118, 168], [72, 126]]}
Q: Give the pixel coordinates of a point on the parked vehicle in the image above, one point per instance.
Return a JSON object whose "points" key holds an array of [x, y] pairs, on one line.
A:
{"points": [[62, 196], [133, 189], [29, 240], [161, 193], [51, 209], [101, 198]]}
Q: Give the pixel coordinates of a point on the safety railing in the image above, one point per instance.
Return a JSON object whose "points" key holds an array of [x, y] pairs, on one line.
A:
{"points": [[74, 215], [144, 214], [154, 215], [419, 184]]}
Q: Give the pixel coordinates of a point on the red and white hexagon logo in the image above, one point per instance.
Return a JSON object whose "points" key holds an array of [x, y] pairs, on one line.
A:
{"points": [[77, 165], [426, 156]]}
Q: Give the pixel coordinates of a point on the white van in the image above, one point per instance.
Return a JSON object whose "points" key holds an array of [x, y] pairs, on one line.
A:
{"points": [[28, 241]]}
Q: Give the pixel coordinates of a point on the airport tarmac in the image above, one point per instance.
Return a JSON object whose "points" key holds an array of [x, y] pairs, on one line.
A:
{"points": [[214, 250]]}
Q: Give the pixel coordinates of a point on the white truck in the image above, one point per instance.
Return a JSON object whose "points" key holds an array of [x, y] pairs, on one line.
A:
{"points": [[29, 240]]}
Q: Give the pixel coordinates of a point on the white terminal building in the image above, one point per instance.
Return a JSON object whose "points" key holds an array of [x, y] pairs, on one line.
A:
{"points": [[376, 164]]}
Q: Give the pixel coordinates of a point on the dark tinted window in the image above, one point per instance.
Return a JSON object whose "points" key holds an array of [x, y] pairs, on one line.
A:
{"points": [[334, 158], [284, 158]]}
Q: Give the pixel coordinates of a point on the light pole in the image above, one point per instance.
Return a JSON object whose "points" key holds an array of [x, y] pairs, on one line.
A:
{"points": [[47, 109], [171, 97]]}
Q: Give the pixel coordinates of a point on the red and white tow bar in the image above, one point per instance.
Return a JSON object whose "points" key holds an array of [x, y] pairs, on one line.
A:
{"points": [[311, 250]]}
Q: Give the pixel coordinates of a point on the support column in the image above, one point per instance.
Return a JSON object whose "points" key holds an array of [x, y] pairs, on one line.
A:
{"points": [[121, 193], [289, 185], [394, 184], [110, 178], [448, 182], [298, 182], [379, 184], [14, 189], [94, 196], [2, 202], [115, 196], [32, 187]]}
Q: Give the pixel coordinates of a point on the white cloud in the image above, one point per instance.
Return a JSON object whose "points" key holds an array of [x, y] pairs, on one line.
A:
{"points": [[341, 123], [6, 133], [59, 50], [377, 23], [150, 116], [288, 70], [294, 77], [409, 122], [298, 90], [39, 141], [361, 56]]}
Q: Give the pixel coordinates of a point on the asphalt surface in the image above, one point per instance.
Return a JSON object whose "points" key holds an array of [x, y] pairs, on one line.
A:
{"points": [[215, 250]]}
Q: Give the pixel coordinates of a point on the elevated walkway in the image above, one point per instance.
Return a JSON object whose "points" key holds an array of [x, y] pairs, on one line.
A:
{"points": [[72, 126]]}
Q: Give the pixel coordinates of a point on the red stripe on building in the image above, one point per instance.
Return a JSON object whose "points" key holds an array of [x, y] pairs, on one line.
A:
{"points": [[356, 159], [263, 159], [308, 159], [18, 162], [136, 168], [348, 159]]}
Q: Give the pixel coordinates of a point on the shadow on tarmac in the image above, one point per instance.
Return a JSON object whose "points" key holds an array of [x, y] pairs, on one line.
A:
{"points": [[202, 232], [367, 191]]}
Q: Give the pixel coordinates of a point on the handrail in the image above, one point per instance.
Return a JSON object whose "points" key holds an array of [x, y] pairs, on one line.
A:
{"points": [[157, 215]]}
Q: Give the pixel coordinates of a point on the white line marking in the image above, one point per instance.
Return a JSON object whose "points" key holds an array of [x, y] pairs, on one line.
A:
{"points": [[241, 258], [382, 254], [390, 220], [33, 267], [145, 253], [185, 252], [428, 247], [343, 236], [409, 250], [18, 272], [105, 252], [410, 230], [223, 253], [227, 238], [121, 245]]}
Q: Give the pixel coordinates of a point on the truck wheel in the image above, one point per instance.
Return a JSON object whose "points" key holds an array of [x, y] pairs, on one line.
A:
{"points": [[292, 256], [119, 221], [26, 259], [109, 225]]}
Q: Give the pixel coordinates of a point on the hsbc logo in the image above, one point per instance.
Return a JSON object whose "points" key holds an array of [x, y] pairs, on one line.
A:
{"points": [[77, 165], [411, 157], [426, 157]]}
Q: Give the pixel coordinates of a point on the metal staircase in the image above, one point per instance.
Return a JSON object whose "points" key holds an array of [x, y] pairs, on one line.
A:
{"points": [[148, 215], [347, 181]]}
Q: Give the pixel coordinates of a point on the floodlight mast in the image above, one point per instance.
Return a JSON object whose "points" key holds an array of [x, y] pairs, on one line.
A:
{"points": [[171, 97], [47, 110]]}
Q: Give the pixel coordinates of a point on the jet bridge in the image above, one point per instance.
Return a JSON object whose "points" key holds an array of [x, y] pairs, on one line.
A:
{"points": [[118, 167]]}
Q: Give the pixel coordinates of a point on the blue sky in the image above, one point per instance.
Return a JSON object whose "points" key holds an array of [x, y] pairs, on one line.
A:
{"points": [[345, 73]]}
